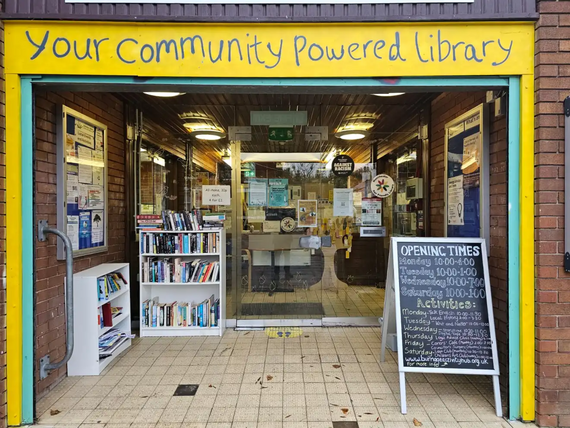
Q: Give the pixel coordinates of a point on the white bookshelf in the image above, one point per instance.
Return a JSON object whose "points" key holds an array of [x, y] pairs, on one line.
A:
{"points": [[188, 292], [85, 358]]}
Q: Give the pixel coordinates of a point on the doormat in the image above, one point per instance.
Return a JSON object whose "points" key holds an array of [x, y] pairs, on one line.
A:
{"points": [[260, 309]]}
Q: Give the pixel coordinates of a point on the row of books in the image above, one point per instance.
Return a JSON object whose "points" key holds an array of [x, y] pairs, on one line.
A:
{"points": [[107, 313], [109, 284], [181, 243], [110, 341], [180, 314], [176, 270], [184, 220]]}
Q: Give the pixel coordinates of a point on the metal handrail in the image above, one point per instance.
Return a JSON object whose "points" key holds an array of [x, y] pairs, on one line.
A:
{"points": [[45, 365]]}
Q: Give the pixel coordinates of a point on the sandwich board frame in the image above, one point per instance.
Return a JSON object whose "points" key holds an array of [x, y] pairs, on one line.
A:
{"points": [[392, 310]]}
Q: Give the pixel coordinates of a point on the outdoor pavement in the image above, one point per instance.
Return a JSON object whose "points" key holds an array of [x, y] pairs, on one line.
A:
{"points": [[277, 378]]}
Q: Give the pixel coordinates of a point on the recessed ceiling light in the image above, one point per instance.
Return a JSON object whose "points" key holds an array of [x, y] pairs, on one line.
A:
{"points": [[164, 94], [389, 94], [210, 135], [351, 134]]}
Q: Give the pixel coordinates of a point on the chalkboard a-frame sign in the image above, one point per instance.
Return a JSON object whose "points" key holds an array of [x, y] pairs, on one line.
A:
{"points": [[438, 289]]}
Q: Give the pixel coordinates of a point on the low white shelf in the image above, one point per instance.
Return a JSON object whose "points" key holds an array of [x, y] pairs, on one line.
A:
{"points": [[85, 358]]}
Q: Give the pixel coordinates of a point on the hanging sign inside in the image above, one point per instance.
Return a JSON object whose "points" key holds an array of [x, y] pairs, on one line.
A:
{"points": [[382, 186], [342, 166], [440, 293]]}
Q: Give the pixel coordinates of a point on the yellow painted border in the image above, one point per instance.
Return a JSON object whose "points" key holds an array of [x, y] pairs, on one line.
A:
{"points": [[14, 357], [527, 312]]}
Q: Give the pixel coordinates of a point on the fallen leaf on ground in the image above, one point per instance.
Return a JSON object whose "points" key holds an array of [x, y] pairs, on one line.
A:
{"points": [[54, 412], [269, 377], [211, 386], [417, 423], [336, 366], [258, 380], [344, 410], [287, 416]]}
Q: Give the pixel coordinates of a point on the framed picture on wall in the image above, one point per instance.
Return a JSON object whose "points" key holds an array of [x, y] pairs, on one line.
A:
{"points": [[82, 187], [466, 184]]}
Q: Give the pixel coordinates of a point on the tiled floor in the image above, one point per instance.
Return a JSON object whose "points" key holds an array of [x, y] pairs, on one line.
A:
{"points": [[247, 379]]}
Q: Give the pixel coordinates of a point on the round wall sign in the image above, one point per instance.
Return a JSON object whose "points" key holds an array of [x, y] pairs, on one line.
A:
{"points": [[287, 224], [342, 166], [382, 186]]}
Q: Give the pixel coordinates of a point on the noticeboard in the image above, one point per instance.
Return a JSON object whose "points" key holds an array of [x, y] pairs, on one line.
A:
{"points": [[82, 187], [439, 293], [466, 188]]}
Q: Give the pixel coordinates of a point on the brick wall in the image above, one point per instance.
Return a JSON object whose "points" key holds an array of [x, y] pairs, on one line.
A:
{"points": [[50, 273], [552, 85], [445, 108], [2, 236]]}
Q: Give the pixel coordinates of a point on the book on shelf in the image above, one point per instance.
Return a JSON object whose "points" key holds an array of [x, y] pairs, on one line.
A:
{"points": [[149, 221], [180, 314], [183, 220], [107, 313], [168, 270], [109, 284], [180, 243]]}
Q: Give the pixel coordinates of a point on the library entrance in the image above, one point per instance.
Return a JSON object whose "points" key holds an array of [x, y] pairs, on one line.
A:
{"points": [[289, 178]]}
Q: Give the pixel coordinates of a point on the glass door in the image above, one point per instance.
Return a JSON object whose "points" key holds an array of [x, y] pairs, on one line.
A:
{"points": [[285, 210]]}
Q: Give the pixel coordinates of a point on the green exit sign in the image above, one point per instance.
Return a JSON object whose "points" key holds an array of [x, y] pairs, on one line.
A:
{"points": [[280, 134]]}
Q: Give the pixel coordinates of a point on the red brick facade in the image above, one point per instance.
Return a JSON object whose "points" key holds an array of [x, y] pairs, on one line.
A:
{"points": [[50, 273], [444, 109], [552, 85]]}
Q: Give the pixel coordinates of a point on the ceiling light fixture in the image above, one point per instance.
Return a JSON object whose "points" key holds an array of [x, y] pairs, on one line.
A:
{"points": [[351, 134], [389, 94], [208, 134], [164, 94]]}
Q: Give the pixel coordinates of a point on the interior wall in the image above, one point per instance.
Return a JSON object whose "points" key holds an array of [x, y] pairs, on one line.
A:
{"points": [[49, 290], [445, 108]]}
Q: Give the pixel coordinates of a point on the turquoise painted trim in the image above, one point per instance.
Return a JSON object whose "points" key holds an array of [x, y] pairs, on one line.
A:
{"points": [[27, 252], [403, 82], [513, 234]]}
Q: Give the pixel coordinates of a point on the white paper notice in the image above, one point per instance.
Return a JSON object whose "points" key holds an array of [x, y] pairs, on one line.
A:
{"points": [[372, 211], [95, 197], [216, 195], [73, 230], [83, 196], [97, 227], [85, 174], [455, 202], [85, 168], [257, 193], [85, 134], [98, 176], [471, 146], [343, 203], [72, 189]]}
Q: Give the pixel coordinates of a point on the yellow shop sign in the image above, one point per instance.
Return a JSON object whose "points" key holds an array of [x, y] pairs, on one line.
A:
{"points": [[280, 50]]}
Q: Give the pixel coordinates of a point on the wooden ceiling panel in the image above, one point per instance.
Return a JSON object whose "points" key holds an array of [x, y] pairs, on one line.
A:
{"points": [[397, 118]]}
